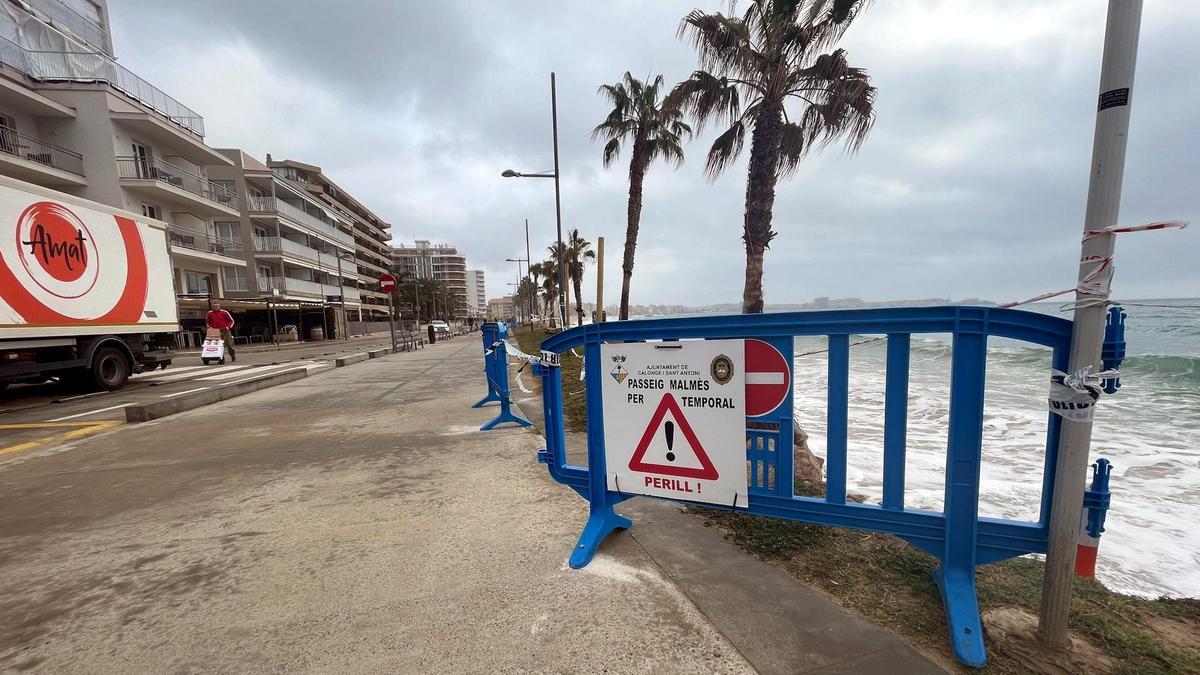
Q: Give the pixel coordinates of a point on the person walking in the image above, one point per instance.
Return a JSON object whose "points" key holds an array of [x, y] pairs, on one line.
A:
{"points": [[222, 320]]}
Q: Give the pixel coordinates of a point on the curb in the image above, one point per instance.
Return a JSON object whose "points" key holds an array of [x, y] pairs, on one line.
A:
{"points": [[350, 359], [376, 353], [157, 409]]}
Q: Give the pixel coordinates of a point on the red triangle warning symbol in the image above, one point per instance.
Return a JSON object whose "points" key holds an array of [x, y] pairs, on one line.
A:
{"points": [[706, 470]]}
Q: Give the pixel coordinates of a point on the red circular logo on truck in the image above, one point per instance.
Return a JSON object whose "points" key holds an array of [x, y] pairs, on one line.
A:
{"points": [[58, 280], [52, 239]]}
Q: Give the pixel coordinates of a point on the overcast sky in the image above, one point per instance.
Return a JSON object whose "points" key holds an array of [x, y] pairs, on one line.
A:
{"points": [[972, 183]]}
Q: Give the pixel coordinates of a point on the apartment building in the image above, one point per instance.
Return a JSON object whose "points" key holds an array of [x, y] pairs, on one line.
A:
{"points": [[476, 294], [441, 262], [501, 309], [72, 119], [368, 232], [298, 248]]}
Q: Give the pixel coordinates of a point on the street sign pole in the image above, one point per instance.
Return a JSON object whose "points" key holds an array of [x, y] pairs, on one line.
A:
{"points": [[387, 284], [1103, 206]]}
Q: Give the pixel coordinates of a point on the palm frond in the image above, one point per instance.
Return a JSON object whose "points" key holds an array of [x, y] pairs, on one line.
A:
{"points": [[725, 149]]}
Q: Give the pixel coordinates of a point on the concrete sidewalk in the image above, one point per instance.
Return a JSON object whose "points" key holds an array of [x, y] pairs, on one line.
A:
{"points": [[778, 624], [294, 530]]}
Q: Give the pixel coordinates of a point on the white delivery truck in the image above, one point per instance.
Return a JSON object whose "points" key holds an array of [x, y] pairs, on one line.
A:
{"points": [[86, 291]]}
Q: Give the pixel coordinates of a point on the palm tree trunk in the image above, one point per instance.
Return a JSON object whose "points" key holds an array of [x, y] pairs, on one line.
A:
{"points": [[637, 174], [578, 282], [760, 201]]}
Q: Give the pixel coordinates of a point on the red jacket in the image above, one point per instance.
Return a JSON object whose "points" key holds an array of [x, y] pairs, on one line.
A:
{"points": [[219, 318]]}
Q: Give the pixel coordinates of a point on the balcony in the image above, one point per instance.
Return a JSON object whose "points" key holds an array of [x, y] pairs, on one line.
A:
{"points": [[202, 246], [305, 290], [292, 250], [167, 181], [300, 217], [65, 18], [32, 159]]}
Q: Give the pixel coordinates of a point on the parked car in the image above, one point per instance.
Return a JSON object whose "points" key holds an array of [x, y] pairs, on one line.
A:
{"points": [[440, 327]]}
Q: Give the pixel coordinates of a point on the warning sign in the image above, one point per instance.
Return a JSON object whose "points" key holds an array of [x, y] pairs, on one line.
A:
{"points": [[675, 419]]}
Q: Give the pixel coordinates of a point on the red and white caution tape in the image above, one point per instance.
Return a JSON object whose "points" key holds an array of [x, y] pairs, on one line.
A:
{"points": [[1093, 288], [1161, 225]]}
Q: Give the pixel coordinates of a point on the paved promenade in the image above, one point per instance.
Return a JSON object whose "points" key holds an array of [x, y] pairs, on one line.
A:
{"points": [[357, 521]]}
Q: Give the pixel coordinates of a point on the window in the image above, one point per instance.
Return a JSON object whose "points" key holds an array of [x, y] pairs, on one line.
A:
{"points": [[228, 231], [223, 190], [142, 160], [150, 211], [235, 279], [195, 283]]}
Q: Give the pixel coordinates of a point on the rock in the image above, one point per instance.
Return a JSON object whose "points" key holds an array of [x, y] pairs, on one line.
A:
{"points": [[855, 497], [808, 466]]}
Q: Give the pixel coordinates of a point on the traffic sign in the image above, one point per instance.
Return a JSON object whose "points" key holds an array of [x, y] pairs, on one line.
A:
{"points": [[386, 282], [768, 378], [675, 419]]}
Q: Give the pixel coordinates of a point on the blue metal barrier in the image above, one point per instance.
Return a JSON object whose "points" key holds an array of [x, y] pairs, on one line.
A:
{"points": [[957, 536], [495, 367]]}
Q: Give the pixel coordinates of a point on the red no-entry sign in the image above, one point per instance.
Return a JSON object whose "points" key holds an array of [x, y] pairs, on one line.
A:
{"points": [[386, 282], [768, 378]]}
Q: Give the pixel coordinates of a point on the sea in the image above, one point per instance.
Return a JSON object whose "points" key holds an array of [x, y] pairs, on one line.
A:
{"points": [[1149, 430]]}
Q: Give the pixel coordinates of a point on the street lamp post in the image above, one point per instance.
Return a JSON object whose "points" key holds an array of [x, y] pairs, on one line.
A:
{"points": [[509, 173], [519, 275]]}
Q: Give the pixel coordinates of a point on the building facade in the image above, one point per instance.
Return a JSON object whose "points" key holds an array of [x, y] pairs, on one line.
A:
{"points": [[476, 294], [73, 120], [440, 262], [501, 309], [369, 232], [297, 248]]}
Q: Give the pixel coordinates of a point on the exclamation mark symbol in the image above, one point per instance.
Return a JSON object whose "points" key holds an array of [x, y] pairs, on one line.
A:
{"points": [[669, 429]]}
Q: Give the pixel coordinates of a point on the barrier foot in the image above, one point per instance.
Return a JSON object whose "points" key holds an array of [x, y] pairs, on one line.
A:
{"points": [[491, 397], [962, 613], [601, 523], [506, 416]]}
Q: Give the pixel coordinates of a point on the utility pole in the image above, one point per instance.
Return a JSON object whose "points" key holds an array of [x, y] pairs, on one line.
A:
{"points": [[1103, 207], [529, 275], [562, 252], [599, 279]]}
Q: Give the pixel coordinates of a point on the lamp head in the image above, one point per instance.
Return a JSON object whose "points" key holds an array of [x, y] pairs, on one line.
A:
{"points": [[509, 173]]}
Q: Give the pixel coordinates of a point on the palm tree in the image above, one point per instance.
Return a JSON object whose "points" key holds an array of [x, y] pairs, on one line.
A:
{"points": [[549, 288], [750, 67], [578, 253], [653, 130], [536, 270]]}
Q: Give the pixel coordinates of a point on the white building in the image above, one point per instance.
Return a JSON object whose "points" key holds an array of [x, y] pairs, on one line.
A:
{"points": [[476, 294]]}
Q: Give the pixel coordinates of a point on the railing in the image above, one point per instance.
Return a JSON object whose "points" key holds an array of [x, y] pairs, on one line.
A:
{"points": [[956, 535], [98, 67], [37, 150], [64, 17], [156, 169], [292, 286], [199, 241], [273, 205], [327, 261]]}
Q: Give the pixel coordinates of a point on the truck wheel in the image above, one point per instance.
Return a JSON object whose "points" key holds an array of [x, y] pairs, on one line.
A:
{"points": [[110, 369]]}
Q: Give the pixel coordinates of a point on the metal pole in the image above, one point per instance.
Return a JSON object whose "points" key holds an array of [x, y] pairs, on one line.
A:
{"points": [[342, 297], [599, 279], [562, 269], [528, 275], [392, 321], [1103, 206]]}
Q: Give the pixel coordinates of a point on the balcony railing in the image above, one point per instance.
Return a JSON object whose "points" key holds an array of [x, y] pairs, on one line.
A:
{"points": [[198, 241], [37, 150], [290, 286], [300, 216], [64, 17], [98, 67], [156, 169]]}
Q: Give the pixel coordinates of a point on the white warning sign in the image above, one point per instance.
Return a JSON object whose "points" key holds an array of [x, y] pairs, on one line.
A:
{"points": [[675, 419]]}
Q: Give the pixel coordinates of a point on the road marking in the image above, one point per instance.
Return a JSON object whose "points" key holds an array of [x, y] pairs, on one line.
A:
{"points": [[175, 377], [389, 392], [170, 371], [90, 412], [75, 398], [181, 393], [256, 375], [256, 370], [79, 430]]}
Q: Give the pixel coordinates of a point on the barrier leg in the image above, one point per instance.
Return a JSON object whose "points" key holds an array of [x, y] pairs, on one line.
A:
{"points": [[492, 397], [601, 522], [506, 415], [957, 587]]}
